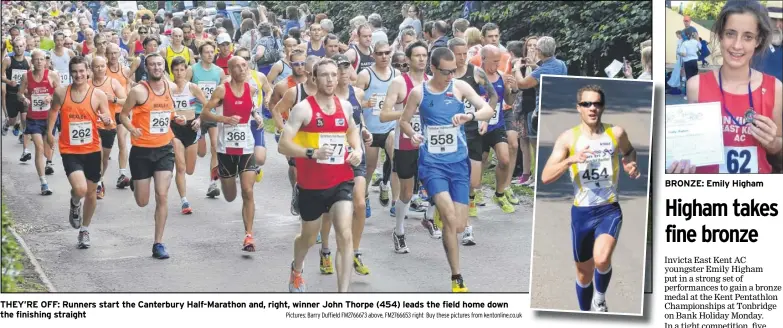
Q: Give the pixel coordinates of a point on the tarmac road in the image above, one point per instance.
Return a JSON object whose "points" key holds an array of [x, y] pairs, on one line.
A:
{"points": [[628, 104], [205, 247]]}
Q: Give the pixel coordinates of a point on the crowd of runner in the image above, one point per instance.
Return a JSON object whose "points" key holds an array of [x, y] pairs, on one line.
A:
{"points": [[443, 101]]}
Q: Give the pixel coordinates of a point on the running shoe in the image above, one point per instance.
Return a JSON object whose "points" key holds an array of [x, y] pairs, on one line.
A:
{"points": [[186, 208], [84, 239], [520, 180], [5, 127], [531, 182], [512, 198], [458, 286], [259, 174], [296, 283], [400, 247], [326, 263], [318, 238], [368, 209], [75, 215], [123, 182], [295, 201], [49, 169], [213, 191], [21, 138], [472, 209], [418, 205], [393, 210], [467, 237], [101, 191], [159, 251], [384, 195], [16, 130], [26, 156], [45, 191], [249, 245], [433, 225], [600, 306], [376, 179], [359, 266], [479, 199], [504, 204]]}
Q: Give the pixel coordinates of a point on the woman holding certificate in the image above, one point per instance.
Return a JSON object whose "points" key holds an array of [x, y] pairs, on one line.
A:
{"points": [[752, 108]]}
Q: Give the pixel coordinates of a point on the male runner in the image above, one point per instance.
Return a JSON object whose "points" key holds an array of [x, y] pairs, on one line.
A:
{"points": [[36, 92], [346, 91], [207, 76], [493, 133], [361, 54], [185, 95], [115, 94], [315, 47], [316, 135], [80, 145], [406, 155], [177, 49], [139, 68], [590, 154], [292, 97], [122, 74], [60, 57], [443, 157], [375, 81], [152, 155], [261, 86], [15, 67], [224, 45], [282, 68], [235, 142]]}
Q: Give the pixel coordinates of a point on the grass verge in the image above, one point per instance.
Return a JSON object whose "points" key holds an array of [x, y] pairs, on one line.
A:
{"points": [[18, 274]]}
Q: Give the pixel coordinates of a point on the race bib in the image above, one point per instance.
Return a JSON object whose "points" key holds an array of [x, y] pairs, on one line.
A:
{"points": [[65, 79], [16, 75], [597, 171], [337, 142], [80, 133], [468, 106], [182, 102], [740, 160], [159, 122], [376, 110], [494, 119], [442, 139], [236, 136], [39, 102], [208, 87], [415, 124]]}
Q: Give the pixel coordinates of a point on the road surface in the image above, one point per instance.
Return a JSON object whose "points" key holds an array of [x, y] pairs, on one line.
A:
{"points": [[205, 247], [554, 273]]}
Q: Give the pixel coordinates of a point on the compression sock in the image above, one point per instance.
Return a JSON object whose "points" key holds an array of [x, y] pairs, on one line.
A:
{"points": [[602, 282], [401, 210], [386, 169], [584, 294]]}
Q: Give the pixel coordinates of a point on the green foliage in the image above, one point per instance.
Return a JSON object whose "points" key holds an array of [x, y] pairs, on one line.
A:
{"points": [[706, 10], [11, 259]]}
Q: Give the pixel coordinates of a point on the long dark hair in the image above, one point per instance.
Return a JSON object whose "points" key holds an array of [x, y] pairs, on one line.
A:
{"points": [[763, 24]]}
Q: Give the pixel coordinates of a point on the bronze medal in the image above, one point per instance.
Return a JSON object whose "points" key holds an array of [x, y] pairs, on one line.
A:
{"points": [[750, 115]]}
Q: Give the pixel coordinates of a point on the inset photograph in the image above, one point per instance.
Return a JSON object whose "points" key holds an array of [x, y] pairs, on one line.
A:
{"points": [[723, 87], [593, 164]]}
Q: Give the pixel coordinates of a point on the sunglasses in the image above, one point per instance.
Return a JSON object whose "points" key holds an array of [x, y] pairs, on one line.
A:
{"points": [[344, 65], [382, 53], [588, 104], [246, 58], [447, 71], [400, 65], [297, 64]]}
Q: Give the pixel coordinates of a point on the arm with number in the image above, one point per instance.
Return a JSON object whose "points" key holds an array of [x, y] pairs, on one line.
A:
{"points": [[484, 111], [206, 111], [414, 98], [299, 114], [388, 113], [559, 162]]}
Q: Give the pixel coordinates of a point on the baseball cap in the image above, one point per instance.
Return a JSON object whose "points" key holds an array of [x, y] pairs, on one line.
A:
{"points": [[775, 9], [340, 59], [223, 38]]}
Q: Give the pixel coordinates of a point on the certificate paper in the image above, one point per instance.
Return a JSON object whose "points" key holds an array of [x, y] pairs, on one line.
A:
{"points": [[613, 68], [694, 132]]}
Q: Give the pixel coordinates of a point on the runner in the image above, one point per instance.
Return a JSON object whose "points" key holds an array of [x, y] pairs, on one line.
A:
{"points": [[152, 155], [282, 68], [35, 93], [225, 46], [375, 81], [261, 86], [361, 53], [80, 147], [177, 49], [100, 48], [115, 94], [406, 155], [207, 76], [493, 133], [291, 98], [590, 154], [472, 76], [235, 144], [61, 56], [138, 67], [346, 91], [316, 46], [121, 74], [15, 67], [316, 135], [443, 158]]}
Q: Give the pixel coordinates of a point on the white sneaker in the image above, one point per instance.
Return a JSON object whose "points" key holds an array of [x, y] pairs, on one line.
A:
{"points": [[467, 237]]}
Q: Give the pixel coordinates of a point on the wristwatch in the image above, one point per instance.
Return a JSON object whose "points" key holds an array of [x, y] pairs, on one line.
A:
{"points": [[309, 153], [115, 99]]}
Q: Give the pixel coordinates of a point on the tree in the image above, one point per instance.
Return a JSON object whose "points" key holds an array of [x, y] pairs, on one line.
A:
{"points": [[704, 10]]}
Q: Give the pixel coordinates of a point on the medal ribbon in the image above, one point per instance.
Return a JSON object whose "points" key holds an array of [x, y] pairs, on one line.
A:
{"points": [[723, 97]]}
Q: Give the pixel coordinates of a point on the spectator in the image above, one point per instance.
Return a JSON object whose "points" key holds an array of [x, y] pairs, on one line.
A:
{"points": [[292, 19], [355, 23], [246, 14], [327, 25], [689, 51], [378, 31], [459, 27], [473, 38], [688, 30], [319, 18], [646, 65], [221, 9], [772, 61], [490, 34], [407, 36], [249, 35], [412, 18], [547, 64], [304, 11], [427, 32]]}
